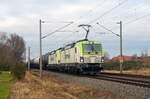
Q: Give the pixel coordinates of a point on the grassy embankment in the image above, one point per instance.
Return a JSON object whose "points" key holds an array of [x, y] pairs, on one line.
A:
{"points": [[52, 87], [5, 84], [127, 65], [142, 71]]}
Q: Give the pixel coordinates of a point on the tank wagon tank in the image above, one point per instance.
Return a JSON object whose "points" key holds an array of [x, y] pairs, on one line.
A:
{"points": [[35, 63], [83, 56]]}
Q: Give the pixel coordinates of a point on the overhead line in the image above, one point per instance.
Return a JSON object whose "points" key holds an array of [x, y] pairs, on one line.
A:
{"points": [[91, 10], [125, 23], [108, 11], [57, 30], [55, 22], [138, 18], [108, 29]]}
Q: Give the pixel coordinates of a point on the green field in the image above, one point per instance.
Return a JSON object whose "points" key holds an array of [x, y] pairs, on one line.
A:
{"points": [[5, 84]]}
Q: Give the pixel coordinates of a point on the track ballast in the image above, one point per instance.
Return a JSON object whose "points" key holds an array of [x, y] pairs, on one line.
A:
{"points": [[137, 80]]}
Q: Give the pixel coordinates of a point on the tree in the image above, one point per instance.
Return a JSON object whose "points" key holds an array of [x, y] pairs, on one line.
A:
{"points": [[6, 56], [17, 46], [3, 38], [12, 50], [135, 56], [144, 54], [106, 56], [145, 59]]}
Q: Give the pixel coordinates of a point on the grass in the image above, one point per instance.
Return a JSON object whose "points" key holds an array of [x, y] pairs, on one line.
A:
{"points": [[142, 71], [5, 84], [53, 87]]}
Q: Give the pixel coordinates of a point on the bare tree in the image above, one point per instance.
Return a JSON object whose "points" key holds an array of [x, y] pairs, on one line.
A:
{"points": [[144, 54], [145, 59], [106, 56], [11, 54], [3, 37], [135, 56], [17, 46], [6, 56], [11, 49]]}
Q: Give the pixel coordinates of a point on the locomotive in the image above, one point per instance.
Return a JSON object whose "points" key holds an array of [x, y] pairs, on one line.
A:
{"points": [[83, 56]]}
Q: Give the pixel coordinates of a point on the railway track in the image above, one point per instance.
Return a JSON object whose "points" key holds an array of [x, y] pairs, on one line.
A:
{"points": [[130, 79], [137, 80]]}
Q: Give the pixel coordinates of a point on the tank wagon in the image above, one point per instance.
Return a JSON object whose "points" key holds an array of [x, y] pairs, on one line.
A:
{"points": [[83, 56], [35, 62]]}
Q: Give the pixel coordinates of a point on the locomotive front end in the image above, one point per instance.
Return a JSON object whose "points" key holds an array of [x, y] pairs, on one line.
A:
{"points": [[91, 56]]}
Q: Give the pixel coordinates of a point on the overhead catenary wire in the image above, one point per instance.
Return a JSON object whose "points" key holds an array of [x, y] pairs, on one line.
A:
{"points": [[108, 29], [57, 30], [69, 24], [134, 20], [56, 22], [105, 13], [87, 13], [92, 9], [141, 17]]}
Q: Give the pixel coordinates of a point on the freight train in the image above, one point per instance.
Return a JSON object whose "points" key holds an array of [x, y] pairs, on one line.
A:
{"points": [[83, 56]]}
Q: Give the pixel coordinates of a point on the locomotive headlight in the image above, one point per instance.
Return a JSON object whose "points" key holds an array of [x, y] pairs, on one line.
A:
{"points": [[81, 59]]}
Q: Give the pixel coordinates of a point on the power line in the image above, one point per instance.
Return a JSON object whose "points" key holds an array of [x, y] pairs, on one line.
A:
{"points": [[89, 11], [137, 18], [108, 29], [108, 11], [55, 22], [92, 9], [57, 30], [125, 23]]}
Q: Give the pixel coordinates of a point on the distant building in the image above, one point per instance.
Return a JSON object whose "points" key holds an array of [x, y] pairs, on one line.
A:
{"points": [[125, 58]]}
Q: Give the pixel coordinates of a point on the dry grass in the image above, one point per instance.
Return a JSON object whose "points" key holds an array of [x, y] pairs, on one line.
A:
{"points": [[52, 87], [143, 71]]}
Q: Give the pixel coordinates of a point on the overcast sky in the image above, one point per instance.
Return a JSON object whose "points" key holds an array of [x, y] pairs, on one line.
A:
{"points": [[22, 17]]}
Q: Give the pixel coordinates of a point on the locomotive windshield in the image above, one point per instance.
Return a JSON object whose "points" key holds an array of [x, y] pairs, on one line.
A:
{"points": [[91, 47]]}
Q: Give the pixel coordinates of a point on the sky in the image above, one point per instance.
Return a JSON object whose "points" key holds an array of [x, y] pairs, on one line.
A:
{"points": [[22, 17]]}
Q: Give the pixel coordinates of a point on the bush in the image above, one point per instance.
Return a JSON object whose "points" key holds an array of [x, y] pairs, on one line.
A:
{"points": [[112, 65], [18, 70], [4, 67], [127, 65]]}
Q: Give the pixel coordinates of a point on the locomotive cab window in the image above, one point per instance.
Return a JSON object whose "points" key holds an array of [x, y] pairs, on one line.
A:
{"points": [[91, 47]]}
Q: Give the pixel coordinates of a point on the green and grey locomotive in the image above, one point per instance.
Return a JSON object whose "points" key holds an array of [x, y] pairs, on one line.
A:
{"points": [[83, 56]]}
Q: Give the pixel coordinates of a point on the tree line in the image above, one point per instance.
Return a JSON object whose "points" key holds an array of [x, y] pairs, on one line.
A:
{"points": [[12, 52], [142, 61]]}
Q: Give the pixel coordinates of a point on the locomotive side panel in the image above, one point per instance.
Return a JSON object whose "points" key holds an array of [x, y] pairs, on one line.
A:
{"points": [[68, 56], [52, 59]]}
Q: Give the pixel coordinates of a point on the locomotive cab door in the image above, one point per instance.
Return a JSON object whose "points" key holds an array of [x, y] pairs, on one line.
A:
{"points": [[75, 55]]}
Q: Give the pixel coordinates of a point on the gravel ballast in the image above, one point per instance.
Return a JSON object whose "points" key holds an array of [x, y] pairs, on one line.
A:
{"points": [[117, 88]]}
